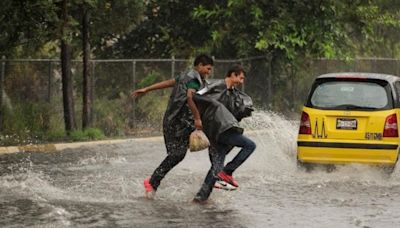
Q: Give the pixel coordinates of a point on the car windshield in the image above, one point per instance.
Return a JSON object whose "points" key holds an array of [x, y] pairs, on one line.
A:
{"points": [[350, 95]]}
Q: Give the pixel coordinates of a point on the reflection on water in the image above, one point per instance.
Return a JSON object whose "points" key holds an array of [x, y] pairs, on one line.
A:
{"points": [[101, 186]]}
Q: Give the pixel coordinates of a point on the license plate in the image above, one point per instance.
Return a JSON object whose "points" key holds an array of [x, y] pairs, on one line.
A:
{"points": [[346, 124]]}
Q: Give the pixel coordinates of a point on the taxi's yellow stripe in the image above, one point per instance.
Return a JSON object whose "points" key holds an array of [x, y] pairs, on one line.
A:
{"points": [[349, 145]]}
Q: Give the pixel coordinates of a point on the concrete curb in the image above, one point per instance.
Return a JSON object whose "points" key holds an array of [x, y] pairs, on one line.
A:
{"points": [[44, 148], [61, 146]]}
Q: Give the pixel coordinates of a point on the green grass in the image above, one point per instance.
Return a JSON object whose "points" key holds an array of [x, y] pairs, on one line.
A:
{"points": [[86, 135]]}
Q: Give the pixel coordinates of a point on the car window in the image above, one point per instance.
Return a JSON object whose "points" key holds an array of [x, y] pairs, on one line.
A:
{"points": [[350, 95]]}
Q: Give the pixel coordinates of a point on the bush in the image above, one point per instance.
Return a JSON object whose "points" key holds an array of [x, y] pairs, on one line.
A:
{"points": [[111, 116], [88, 134], [94, 134], [150, 108], [57, 135]]}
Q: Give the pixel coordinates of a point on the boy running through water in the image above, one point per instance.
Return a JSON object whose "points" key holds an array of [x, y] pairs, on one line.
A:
{"points": [[222, 106], [180, 118]]}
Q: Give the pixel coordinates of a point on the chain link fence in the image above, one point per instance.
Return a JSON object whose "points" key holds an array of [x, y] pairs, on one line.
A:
{"points": [[32, 97]]}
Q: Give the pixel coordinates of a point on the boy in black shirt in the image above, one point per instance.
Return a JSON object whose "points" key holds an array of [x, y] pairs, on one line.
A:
{"points": [[180, 118]]}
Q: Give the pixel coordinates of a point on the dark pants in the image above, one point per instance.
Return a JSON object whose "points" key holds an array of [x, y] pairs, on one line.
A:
{"points": [[176, 150], [218, 152]]}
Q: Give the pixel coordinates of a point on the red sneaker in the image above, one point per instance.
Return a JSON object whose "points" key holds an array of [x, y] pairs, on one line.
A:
{"points": [[149, 190], [227, 178]]}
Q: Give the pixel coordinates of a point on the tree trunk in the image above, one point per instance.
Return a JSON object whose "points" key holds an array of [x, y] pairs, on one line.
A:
{"points": [[66, 78], [87, 82]]}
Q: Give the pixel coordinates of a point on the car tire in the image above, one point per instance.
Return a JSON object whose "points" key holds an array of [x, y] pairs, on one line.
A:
{"points": [[305, 166], [389, 169], [330, 168]]}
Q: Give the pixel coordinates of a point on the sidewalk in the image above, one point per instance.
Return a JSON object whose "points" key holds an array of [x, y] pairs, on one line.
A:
{"points": [[61, 146]]}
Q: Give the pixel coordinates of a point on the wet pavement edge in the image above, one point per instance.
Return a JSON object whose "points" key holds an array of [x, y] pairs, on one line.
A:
{"points": [[61, 146]]}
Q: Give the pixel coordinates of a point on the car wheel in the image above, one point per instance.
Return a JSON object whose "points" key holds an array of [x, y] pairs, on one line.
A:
{"points": [[330, 168], [305, 166], [389, 169]]}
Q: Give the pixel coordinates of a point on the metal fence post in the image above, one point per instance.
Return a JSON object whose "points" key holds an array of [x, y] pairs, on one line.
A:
{"points": [[50, 81], [244, 82], [269, 81], [133, 123], [2, 76], [398, 67], [173, 67], [92, 91]]}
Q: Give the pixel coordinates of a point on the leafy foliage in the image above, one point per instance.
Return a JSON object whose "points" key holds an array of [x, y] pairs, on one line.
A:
{"points": [[32, 24], [227, 28], [26, 23], [166, 30], [379, 36], [87, 134], [151, 108], [111, 116]]}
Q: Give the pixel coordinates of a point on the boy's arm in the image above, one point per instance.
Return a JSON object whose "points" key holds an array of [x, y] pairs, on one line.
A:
{"points": [[192, 106], [159, 85]]}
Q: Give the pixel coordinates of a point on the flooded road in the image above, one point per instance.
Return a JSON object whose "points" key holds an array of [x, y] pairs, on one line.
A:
{"points": [[101, 186]]}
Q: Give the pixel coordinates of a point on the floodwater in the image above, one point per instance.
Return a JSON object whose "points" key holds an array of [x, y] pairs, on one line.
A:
{"points": [[101, 186]]}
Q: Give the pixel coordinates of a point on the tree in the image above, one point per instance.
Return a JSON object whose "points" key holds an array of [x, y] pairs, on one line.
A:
{"points": [[379, 37], [87, 79], [103, 19], [292, 31], [166, 30], [26, 24], [294, 28], [67, 89], [29, 25]]}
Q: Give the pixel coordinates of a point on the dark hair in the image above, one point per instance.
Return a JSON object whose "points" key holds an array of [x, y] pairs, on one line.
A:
{"points": [[203, 59], [235, 68]]}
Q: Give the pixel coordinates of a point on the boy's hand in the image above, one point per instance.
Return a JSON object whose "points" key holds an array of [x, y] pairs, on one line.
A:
{"points": [[198, 124], [138, 92]]}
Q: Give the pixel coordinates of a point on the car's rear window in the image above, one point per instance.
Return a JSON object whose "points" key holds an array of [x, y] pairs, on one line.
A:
{"points": [[350, 95]]}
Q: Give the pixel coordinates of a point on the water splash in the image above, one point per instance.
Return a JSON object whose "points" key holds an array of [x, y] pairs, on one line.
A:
{"points": [[103, 186], [275, 136], [275, 156]]}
